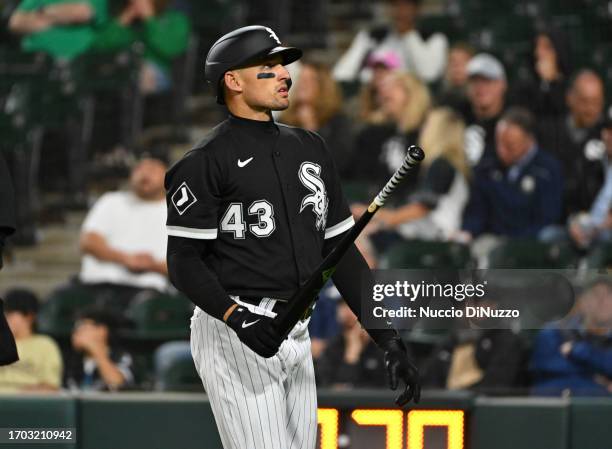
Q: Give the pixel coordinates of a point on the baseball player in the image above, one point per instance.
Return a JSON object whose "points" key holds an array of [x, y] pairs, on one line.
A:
{"points": [[252, 211]]}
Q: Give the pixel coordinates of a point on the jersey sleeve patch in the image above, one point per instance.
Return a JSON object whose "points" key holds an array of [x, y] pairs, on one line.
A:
{"points": [[339, 228], [192, 233], [183, 198]]}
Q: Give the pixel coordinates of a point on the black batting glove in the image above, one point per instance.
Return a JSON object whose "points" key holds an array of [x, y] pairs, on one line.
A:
{"points": [[256, 331], [399, 366]]}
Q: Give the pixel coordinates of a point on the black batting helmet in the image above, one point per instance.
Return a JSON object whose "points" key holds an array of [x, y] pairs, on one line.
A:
{"points": [[241, 47]]}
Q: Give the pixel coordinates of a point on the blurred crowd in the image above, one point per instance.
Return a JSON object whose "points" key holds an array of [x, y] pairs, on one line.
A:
{"points": [[507, 158]]}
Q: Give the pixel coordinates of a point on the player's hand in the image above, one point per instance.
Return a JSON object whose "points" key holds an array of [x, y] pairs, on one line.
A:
{"points": [[398, 367], [256, 331]]}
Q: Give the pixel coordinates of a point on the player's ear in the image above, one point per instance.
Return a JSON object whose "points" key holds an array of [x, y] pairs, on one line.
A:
{"points": [[232, 81]]}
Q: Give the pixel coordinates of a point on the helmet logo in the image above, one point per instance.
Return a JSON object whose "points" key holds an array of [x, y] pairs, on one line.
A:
{"points": [[273, 35]]}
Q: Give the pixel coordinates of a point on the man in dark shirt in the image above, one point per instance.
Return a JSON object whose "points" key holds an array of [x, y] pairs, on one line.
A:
{"points": [[575, 139], [519, 193], [486, 90]]}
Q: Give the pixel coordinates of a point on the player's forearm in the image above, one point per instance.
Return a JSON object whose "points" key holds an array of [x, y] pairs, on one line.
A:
{"points": [[69, 13], [350, 275], [189, 274], [95, 245]]}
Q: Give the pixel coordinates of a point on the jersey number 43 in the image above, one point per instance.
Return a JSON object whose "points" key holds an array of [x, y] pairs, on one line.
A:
{"points": [[233, 219]]}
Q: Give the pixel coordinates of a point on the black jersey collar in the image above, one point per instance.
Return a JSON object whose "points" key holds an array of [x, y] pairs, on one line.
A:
{"points": [[254, 125]]}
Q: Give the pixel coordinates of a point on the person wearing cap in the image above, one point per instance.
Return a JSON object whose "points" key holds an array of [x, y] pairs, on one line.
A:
{"points": [[420, 52], [366, 105], [486, 91], [123, 238], [40, 362], [575, 139], [253, 210]]}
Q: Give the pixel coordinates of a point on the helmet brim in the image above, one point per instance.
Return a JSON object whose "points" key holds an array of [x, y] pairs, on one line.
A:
{"points": [[288, 55]]}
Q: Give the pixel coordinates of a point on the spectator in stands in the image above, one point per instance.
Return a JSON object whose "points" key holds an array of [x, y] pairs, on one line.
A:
{"points": [[381, 147], [518, 193], [98, 363], [57, 27], [575, 140], [484, 360], [351, 359], [453, 91], [164, 33], [316, 104], [595, 226], [486, 91], [40, 362], [381, 63], [435, 210], [123, 238], [420, 54], [543, 90], [575, 355]]}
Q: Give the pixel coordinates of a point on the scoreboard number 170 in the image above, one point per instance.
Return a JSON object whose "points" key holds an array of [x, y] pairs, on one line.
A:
{"points": [[453, 421]]}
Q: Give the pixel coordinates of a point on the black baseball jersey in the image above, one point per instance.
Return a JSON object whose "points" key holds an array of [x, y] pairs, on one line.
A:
{"points": [[265, 196]]}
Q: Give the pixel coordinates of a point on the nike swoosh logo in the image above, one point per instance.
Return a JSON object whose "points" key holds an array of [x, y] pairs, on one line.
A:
{"points": [[244, 163], [245, 324]]}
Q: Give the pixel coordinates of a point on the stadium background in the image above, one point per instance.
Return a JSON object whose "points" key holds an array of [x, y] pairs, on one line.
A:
{"points": [[42, 98]]}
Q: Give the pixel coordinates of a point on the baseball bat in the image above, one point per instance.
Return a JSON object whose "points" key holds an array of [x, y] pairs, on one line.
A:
{"points": [[309, 290]]}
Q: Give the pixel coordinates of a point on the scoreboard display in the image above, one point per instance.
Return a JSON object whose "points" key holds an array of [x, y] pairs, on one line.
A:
{"points": [[379, 428]]}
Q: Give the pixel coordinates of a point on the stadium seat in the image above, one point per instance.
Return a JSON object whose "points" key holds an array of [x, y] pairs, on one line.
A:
{"points": [[58, 315], [600, 257], [421, 254], [180, 375], [159, 317], [533, 254]]}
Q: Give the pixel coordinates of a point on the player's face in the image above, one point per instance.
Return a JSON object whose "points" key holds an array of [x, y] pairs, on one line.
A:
{"points": [[147, 179], [271, 93], [512, 143]]}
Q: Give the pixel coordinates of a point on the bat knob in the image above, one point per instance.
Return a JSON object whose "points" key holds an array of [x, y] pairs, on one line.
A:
{"points": [[416, 153]]}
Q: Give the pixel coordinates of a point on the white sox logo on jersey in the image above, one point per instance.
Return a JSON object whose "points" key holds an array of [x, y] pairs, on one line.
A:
{"points": [[310, 176]]}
